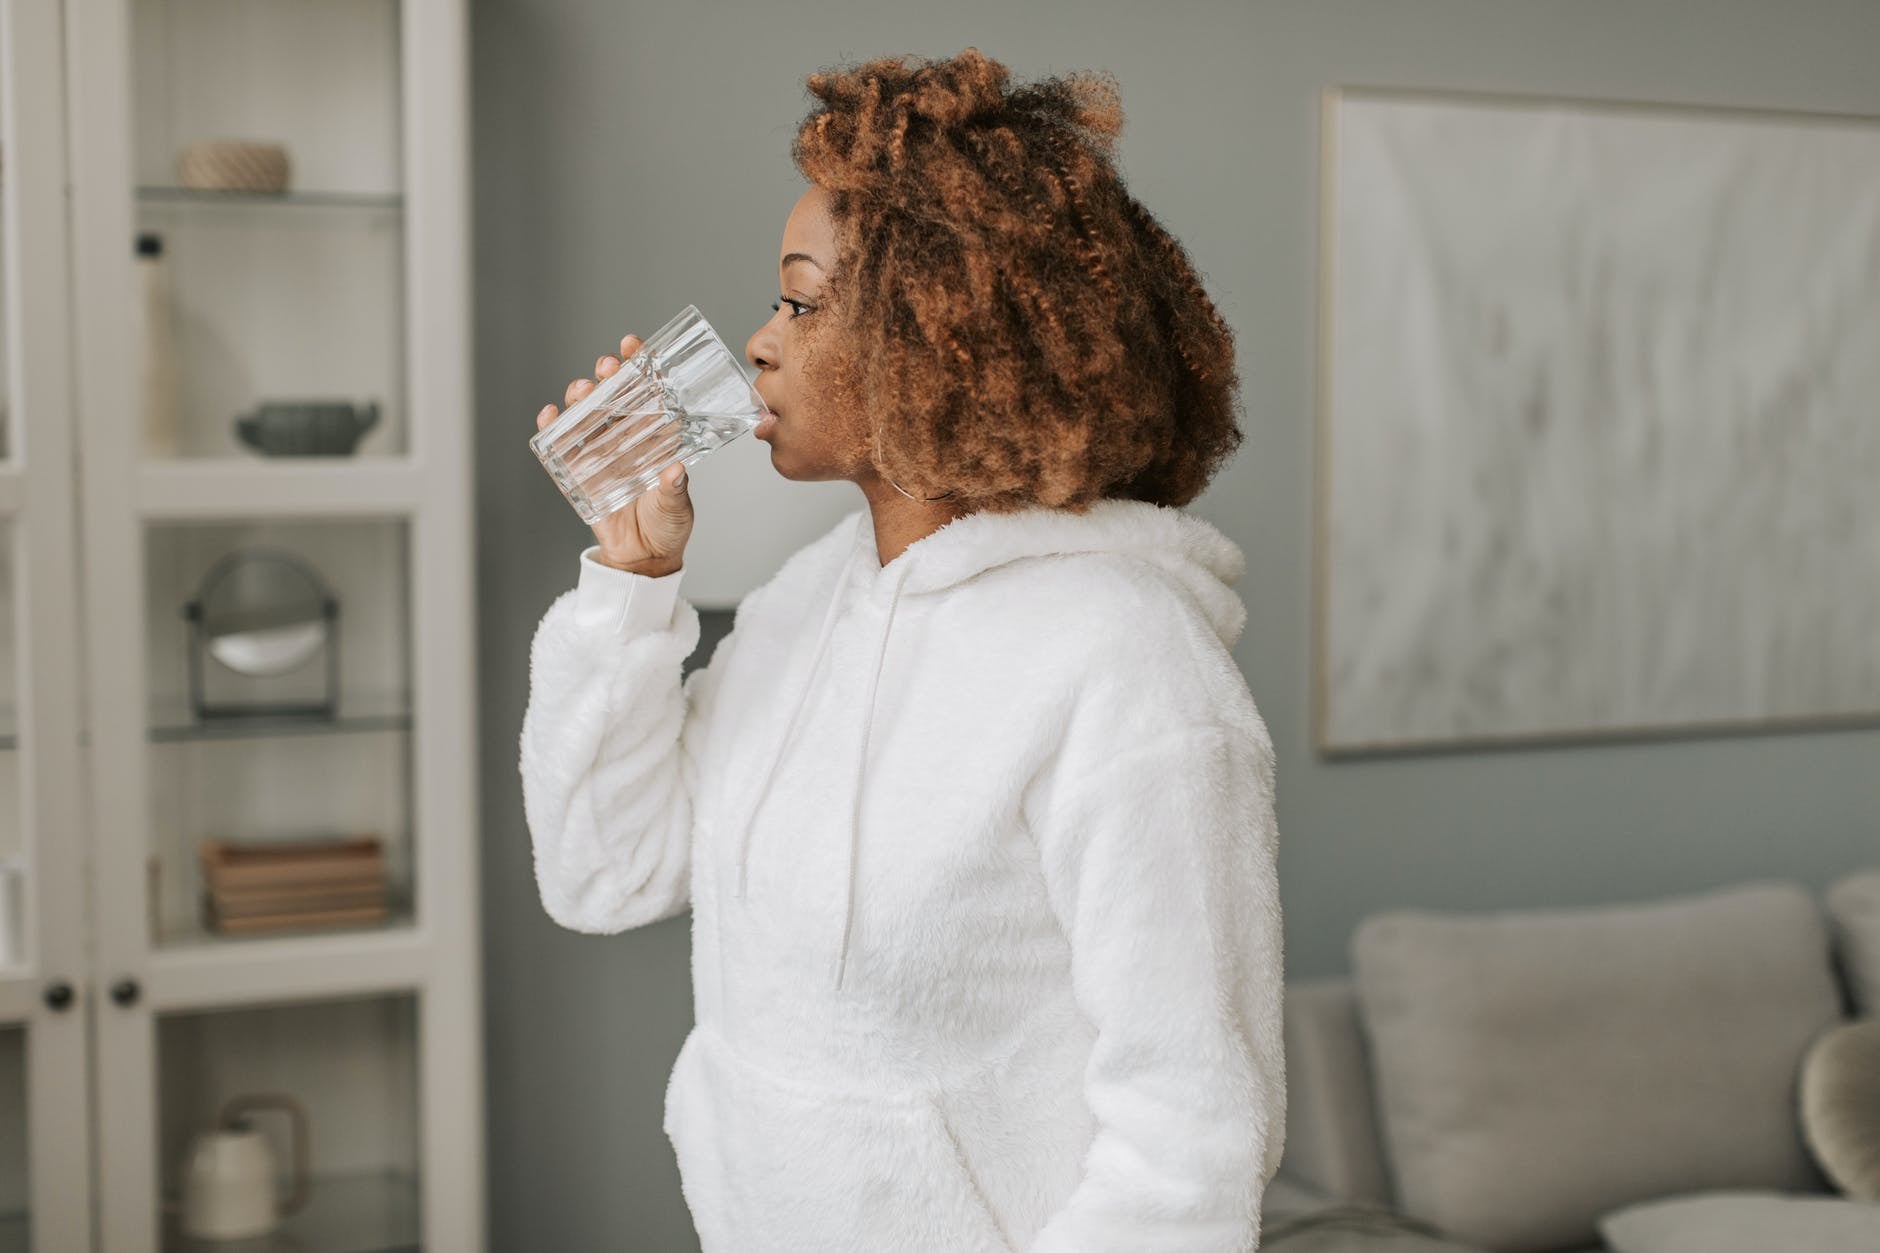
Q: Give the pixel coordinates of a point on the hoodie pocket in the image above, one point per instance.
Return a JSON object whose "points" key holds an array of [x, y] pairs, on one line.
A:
{"points": [[774, 1162]]}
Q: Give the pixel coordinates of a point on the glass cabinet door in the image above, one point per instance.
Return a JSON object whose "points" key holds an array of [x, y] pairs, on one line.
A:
{"points": [[250, 501], [330, 1080], [269, 229], [45, 1110]]}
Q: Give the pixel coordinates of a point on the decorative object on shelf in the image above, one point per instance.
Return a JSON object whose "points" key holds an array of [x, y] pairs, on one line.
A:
{"points": [[306, 428], [1597, 450], [274, 885], [158, 375], [228, 1183], [263, 616], [233, 165]]}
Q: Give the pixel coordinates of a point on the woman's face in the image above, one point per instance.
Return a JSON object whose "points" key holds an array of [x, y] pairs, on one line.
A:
{"points": [[803, 375]]}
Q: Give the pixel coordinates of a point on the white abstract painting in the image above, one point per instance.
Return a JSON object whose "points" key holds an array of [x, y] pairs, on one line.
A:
{"points": [[1600, 421]]}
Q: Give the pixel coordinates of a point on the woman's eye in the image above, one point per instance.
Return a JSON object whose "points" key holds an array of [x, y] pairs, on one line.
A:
{"points": [[797, 307]]}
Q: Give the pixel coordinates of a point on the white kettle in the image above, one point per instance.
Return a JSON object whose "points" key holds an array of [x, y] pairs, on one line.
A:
{"points": [[228, 1185]]}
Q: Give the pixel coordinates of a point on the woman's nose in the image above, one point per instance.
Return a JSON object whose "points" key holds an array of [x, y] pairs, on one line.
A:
{"points": [[757, 349]]}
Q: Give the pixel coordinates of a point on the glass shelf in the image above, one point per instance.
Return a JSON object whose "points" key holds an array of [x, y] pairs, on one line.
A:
{"points": [[378, 201], [356, 1213], [171, 721]]}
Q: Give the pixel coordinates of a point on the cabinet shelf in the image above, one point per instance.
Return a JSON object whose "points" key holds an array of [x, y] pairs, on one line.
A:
{"points": [[347, 1213], [226, 973], [172, 723], [191, 197]]}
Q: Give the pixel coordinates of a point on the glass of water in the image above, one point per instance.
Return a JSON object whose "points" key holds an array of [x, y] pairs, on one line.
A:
{"points": [[682, 396]]}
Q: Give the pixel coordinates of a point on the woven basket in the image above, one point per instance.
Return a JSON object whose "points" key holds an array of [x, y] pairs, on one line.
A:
{"points": [[232, 165]]}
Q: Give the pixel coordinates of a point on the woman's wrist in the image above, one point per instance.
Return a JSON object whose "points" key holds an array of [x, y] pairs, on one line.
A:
{"points": [[651, 567]]}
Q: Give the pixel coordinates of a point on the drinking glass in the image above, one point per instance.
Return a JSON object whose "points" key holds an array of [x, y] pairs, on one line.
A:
{"points": [[682, 396]]}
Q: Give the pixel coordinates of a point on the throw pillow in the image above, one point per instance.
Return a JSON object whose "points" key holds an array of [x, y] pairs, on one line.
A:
{"points": [[1841, 1106], [1854, 905], [1536, 1070], [1744, 1222]]}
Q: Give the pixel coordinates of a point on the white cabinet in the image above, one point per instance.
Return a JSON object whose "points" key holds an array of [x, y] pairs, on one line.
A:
{"points": [[147, 531]]}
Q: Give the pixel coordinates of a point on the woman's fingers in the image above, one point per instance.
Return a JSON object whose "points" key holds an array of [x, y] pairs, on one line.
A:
{"points": [[604, 367]]}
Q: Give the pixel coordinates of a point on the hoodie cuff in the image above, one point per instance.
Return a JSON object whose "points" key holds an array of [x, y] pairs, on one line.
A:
{"points": [[623, 604]]}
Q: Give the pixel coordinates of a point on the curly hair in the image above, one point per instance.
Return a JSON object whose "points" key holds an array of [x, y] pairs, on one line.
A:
{"points": [[1018, 330]]}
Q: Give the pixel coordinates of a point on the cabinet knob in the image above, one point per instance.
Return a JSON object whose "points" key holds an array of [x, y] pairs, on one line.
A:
{"points": [[58, 995], [125, 992]]}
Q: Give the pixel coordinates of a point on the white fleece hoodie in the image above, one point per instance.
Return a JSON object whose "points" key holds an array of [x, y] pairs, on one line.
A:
{"points": [[980, 852]]}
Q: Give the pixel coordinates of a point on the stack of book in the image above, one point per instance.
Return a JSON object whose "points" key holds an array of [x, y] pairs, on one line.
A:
{"points": [[270, 885]]}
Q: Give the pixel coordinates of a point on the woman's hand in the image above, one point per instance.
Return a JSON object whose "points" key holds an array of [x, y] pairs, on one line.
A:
{"points": [[648, 536]]}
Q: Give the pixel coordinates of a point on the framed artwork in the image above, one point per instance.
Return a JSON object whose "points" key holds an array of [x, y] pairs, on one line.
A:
{"points": [[1599, 421]]}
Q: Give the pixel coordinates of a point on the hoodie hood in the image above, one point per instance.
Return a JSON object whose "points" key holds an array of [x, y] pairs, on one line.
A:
{"points": [[1204, 563]]}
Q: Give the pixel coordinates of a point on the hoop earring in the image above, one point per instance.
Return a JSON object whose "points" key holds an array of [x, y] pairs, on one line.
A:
{"points": [[897, 487]]}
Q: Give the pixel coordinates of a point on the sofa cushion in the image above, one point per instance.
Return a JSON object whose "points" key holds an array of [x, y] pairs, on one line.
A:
{"points": [[1286, 1197], [1331, 1121], [1536, 1070], [1854, 906], [1358, 1229], [1744, 1222], [1841, 1106]]}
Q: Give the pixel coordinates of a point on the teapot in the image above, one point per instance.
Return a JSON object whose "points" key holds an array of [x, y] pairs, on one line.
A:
{"points": [[228, 1183]]}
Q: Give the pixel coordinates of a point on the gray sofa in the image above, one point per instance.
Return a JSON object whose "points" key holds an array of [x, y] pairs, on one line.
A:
{"points": [[1513, 1081]]}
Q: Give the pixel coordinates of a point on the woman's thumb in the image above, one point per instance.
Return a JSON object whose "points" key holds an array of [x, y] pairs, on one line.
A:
{"points": [[673, 495]]}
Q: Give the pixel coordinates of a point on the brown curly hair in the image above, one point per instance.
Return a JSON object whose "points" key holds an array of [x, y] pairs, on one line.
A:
{"points": [[1016, 327]]}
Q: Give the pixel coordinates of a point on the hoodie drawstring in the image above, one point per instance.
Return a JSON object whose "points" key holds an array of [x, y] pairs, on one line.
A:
{"points": [[861, 760], [861, 774], [802, 698]]}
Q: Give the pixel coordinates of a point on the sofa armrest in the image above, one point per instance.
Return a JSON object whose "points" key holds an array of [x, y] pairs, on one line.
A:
{"points": [[1333, 1144]]}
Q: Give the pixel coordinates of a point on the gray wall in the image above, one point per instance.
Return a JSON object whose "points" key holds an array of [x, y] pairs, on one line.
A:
{"points": [[632, 158]]}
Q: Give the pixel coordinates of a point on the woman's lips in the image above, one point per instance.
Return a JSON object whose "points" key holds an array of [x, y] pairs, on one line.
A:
{"points": [[765, 424]]}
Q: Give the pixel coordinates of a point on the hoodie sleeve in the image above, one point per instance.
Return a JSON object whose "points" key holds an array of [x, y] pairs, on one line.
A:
{"points": [[607, 761], [1161, 866]]}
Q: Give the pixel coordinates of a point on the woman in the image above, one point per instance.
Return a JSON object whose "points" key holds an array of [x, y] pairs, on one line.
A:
{"points": [[972, 808]]}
